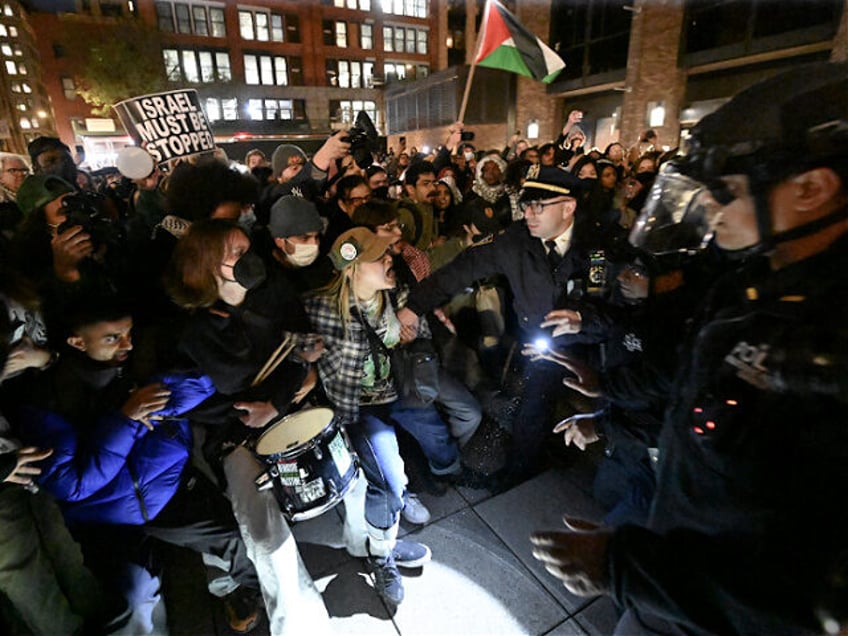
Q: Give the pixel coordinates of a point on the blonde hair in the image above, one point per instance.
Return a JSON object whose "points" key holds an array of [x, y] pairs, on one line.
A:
{"points": [[341, 288]]}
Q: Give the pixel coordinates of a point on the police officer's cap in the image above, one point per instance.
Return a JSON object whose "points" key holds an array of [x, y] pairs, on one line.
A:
{"points": [[548, 182]]}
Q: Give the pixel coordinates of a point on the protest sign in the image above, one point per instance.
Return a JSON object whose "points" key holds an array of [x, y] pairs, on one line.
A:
{"points": [[167, 125]]}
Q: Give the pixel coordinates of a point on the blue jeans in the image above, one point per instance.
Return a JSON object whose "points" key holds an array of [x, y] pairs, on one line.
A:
{"points": [[374, 440], [432, 434]]}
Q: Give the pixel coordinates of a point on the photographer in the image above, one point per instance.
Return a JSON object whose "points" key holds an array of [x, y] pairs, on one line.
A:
{"points": [[65, 244]]}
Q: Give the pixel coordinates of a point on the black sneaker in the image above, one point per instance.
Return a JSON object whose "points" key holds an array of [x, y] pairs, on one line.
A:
{"points": [[387, 581]]}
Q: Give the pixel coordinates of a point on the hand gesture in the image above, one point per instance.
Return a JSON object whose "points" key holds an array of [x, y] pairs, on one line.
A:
{"points": [[69, 248], [311, 350], [579, 431], [334, 148], [574, 117], [454, 136], [564, 321], [144, 401], [24, 471], [408, 325], [25, 355], [307, 386], [585, 380], [578, 558], [258, 413]]}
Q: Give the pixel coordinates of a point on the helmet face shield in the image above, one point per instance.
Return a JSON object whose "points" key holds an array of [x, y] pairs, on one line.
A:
{"points": [[677, 215]]}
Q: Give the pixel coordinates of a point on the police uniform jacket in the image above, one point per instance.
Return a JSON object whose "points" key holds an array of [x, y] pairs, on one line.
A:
{"points": [[749, 514], [522, 259]]}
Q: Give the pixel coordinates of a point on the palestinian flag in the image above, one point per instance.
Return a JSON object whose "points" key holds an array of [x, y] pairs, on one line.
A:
{"points": [[507, 45]]}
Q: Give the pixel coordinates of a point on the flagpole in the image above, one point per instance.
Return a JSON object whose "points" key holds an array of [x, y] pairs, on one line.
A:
{"points": [[467, 92]]}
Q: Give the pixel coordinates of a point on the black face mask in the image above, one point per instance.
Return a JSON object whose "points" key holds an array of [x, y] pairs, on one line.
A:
{"points": [[381, 193], [249, 270]]}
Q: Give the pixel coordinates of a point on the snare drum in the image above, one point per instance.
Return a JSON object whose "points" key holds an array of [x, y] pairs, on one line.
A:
{"points": [[311, 463]]}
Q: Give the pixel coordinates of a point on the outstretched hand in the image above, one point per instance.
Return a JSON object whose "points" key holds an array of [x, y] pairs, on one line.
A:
{"points": [[24, 472], [579, 430], [579, 558], [258, 413]]}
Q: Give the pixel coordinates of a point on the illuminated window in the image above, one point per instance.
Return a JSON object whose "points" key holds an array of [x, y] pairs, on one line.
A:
{"points": [[266, 70], [229, 109], [69, 88], [366, 36]]}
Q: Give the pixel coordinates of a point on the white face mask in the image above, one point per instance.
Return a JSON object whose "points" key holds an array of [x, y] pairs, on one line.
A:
{"points": [[304, 254], [469, 155]]}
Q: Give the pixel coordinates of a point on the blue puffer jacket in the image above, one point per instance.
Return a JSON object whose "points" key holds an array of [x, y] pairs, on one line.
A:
{"points": [[121, 473]]}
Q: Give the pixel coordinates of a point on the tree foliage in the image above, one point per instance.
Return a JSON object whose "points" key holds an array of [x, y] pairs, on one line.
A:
{"points": [[124, 65]]}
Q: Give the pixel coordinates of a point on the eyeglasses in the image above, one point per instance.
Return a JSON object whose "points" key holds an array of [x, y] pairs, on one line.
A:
{"points": [[537, 207], [17, 170]]}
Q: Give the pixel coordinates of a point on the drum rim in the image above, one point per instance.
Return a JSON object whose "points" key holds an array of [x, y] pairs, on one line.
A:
{"points": [[300, 448]]}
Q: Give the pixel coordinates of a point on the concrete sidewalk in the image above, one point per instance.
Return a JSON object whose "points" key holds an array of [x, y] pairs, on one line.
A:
{"points": [[482, 580]]}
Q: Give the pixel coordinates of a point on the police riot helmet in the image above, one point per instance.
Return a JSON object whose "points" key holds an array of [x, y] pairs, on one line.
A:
{"points": [[787, 124]]}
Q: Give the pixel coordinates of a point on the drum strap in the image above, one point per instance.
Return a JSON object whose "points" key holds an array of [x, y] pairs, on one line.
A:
{"points": [[274, 361]]}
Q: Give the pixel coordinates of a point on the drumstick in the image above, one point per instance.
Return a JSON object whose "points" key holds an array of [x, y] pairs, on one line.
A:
{"points": [[274, 360]]}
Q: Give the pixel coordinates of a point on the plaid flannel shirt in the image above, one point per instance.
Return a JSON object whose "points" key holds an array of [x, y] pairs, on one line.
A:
{"points": [[345, 350]]}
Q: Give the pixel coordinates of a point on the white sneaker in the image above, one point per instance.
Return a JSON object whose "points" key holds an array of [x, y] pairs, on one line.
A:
{"points": [[413, 510]]}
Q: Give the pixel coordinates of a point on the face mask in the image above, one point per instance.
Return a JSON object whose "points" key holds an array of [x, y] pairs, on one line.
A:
{"points": [[304, 254], [249, 270], [247, 220], [468, 155], [380, 193], [588, 183]]}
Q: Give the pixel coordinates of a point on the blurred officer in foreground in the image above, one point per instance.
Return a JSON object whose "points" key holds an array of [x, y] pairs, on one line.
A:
{"points": [[748, 522]]}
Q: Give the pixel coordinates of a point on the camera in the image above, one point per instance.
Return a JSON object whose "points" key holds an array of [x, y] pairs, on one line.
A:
{"points": [[466, 135], [84, 209], [363, 140]]}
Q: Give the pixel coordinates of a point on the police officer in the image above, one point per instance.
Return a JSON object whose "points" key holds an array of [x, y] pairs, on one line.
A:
{"points": [[542, 258], [749, 516]]}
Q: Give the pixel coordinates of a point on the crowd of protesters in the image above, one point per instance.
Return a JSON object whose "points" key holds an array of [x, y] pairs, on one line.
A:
{"points": [[145, 311]]}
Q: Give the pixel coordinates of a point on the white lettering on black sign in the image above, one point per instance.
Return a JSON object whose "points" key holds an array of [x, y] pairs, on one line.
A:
{"points": [[167, 125]]}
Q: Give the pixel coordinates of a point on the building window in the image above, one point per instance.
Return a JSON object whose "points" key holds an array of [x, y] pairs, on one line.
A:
{"points": [[165, 16], [7, 10], [213, 109], [335, 33], [58, 51], [3, 32], [218, 109], [269, 70], [197, 18], [229, 109], [216, 18], [69, 88], [411, 8], [276, 109], [366, 36], [362, 5], [405, 40], [197, 66], [183, 18], [422, 41], [345, 111], [13, 31], [349, 74], [263, 26], [11, 68], [396, 71], [201, 24]]}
